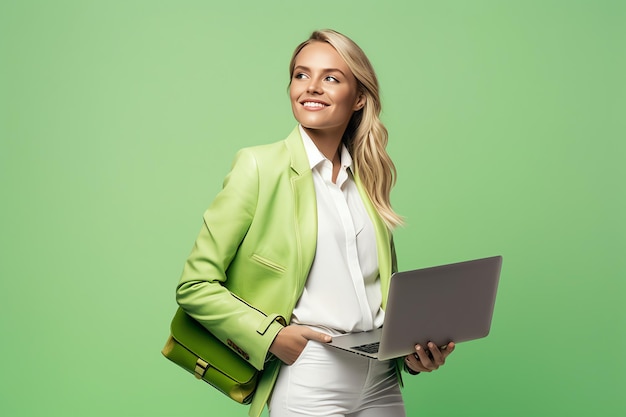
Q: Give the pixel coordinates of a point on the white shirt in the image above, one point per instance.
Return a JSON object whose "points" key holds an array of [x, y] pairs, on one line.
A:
{"points": [[342, 292]]}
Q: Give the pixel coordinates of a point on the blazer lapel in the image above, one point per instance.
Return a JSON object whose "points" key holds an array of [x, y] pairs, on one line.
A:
{"points": [[305, 205]]}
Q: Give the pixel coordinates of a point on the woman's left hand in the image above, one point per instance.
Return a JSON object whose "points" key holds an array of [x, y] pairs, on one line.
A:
{"points": [[430, 359]]}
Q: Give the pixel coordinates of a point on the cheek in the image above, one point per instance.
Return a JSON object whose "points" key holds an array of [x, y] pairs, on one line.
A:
{"points": [[293, 100], [347, 100], [294, 92]]}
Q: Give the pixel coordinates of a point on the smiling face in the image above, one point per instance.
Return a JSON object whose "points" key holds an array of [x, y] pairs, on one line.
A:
{"points": [[323, 90]]}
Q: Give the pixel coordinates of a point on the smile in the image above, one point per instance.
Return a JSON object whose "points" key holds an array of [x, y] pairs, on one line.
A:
{"points": [[314, 104]]}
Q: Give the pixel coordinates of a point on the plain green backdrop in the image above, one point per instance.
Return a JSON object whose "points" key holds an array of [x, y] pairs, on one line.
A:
{"points": [[119, 120]]}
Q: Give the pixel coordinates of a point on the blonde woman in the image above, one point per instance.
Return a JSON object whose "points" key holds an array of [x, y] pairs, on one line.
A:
{"points": [[297, 247]]}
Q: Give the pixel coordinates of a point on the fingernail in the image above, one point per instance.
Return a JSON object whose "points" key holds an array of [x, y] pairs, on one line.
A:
{"points": [[418, 347]]}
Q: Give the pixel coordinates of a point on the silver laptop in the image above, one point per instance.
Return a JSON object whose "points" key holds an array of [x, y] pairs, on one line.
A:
{"points": [[441, 304]]}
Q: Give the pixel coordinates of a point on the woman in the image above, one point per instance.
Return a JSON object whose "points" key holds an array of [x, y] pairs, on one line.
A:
{"points": [[297, 247]]}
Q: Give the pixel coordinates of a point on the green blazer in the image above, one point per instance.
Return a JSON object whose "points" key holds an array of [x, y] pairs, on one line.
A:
{"points": [[252, 257]]}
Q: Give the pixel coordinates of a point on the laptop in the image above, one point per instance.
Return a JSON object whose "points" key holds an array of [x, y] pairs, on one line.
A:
{"points": [[442, 304]]}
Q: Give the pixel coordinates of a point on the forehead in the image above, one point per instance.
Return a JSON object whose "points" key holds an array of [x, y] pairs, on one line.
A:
{"points": [[321, 55]]}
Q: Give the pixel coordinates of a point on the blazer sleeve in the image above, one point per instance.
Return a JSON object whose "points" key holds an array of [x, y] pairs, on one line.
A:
{"points": [[202, 291]]}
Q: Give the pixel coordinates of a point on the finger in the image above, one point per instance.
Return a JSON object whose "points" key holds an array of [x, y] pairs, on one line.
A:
{"points": [[311, 334], [414, 364], [448, 349], [424, 359], [436, 354]]}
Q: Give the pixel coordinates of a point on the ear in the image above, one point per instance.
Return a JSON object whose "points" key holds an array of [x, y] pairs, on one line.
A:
{"points": [[360, 102]]}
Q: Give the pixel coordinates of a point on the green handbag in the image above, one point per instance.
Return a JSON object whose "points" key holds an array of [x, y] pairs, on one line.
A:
{"points": [[196, 350]]}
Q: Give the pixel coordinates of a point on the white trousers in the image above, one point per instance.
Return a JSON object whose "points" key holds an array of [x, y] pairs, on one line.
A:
{"points": [[328, 382]]}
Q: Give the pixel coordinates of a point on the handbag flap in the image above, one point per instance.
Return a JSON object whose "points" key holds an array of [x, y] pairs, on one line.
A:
{"points": [[202, 343]]}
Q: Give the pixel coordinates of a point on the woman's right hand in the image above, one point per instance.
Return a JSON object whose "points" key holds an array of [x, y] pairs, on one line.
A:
{"points": [[291, 340]]}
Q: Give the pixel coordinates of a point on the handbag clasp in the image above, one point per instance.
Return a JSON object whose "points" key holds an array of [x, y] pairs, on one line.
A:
{"points": [[201, 367]]}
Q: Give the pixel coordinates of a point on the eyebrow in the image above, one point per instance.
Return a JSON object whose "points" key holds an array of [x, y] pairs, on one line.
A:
{"points": [[303, 68]]}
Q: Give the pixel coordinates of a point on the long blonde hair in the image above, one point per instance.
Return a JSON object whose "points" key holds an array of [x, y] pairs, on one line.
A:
{"points": [[365, 137]]}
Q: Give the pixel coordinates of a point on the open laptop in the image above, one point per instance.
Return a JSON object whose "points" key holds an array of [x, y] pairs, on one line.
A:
{"points": [[441, 304]]}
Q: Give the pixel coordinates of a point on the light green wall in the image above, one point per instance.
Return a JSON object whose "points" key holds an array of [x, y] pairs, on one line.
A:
{"points": [[119, 120]]}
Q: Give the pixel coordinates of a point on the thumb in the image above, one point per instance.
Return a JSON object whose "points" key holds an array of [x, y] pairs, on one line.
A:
{"points": [[317, 336]]}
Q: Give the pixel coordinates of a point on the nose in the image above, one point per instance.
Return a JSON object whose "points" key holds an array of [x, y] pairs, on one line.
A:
{"points": [[314, 86]]}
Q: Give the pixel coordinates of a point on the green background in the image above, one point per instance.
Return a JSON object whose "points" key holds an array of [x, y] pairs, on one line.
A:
{"points": [[119, 120]]}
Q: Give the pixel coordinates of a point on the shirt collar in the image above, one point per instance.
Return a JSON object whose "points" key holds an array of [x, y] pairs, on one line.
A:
{"points": [[316, 157]]}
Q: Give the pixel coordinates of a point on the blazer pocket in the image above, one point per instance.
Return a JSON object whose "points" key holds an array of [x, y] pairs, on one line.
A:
{"points": [[268, 263]]}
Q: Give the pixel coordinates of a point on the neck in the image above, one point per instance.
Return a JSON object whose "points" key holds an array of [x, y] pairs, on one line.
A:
{"points": [[328, 143]]}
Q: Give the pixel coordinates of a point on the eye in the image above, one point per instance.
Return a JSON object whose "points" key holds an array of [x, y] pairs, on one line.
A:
{"points": [[331, 79], [299, 76]]}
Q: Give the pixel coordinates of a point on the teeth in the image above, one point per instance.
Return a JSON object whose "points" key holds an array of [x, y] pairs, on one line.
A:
{"points": [[312, 104]]}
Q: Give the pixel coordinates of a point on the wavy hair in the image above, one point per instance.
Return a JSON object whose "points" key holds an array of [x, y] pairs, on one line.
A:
{"points": [[365, 137]]}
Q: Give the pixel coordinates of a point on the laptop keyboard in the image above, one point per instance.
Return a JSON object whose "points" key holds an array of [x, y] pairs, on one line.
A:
{"points": [[368, 348]]}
